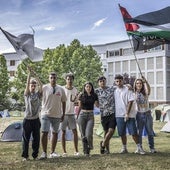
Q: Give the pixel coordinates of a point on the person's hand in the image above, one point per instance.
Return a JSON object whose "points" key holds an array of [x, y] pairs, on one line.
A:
{"points": [[126, 117]]}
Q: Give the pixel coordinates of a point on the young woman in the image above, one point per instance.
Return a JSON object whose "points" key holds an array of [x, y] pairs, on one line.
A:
{"points": [[85, 116], [143, 117]]}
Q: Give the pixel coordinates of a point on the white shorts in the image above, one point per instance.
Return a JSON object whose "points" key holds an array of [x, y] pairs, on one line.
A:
{"points": [[69, 121]]}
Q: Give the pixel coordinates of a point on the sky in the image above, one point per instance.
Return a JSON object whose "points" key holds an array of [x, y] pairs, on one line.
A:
{"points": [[58, 22]]}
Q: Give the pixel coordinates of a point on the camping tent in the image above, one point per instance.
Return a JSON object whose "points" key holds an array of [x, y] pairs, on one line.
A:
{"points": [[13, 133], [161, 112], [166, 127]]}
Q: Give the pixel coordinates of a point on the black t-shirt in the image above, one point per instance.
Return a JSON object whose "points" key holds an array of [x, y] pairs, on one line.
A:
{"points": [[87, 102]]}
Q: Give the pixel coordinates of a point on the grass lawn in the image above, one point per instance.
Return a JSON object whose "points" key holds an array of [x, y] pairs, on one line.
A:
{"points": [[10, 154]]}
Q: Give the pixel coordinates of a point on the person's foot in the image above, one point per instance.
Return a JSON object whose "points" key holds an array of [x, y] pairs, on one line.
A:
{"points": [[106, 152], [76, 154], [153, 150], [64, 154], [25, 159], [102, 148], [43, 156], [124, 150], [140, 151], [54, 155]]}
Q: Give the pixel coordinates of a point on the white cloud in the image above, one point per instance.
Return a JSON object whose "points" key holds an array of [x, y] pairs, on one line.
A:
{"points": [[98, 23], [50, 28]]}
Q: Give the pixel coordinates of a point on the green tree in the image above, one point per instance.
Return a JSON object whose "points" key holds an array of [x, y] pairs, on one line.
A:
{"points": [[4, 84]]}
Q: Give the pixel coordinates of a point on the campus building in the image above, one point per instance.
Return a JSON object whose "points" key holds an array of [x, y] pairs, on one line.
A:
{"points": [[118, 58]]}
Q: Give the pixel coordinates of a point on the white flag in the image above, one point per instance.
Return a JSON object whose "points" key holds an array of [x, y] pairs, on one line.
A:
{"points": [[24, 45]]}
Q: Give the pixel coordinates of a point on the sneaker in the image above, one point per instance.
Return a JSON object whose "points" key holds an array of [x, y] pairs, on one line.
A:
{"points": [[25, 159], [76, 154], [124, 150], [35, 159], [140, 151], [102, 148], [43, 156], [106, 152], [64, 154], [54, 155], [153, 150]]}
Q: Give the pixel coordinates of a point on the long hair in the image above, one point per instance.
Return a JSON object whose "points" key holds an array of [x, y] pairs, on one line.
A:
{"points": [[92, 88], [143, 87]]}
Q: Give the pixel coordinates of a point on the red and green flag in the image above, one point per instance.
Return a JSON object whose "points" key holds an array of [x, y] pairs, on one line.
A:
{"points": [[148, 30]]}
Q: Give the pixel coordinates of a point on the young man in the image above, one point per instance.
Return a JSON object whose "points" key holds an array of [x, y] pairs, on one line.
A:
{"points": [[31, 122], [52, 113], [69, 119], [107, 111], [125, 114]]}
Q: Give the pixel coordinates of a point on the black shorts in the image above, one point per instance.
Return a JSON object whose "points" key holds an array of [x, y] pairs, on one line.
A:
{"points": [[108, 122]]}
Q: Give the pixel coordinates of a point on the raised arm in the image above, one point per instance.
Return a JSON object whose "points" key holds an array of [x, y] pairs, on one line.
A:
{"points": [[146, 85], [27, 85]]}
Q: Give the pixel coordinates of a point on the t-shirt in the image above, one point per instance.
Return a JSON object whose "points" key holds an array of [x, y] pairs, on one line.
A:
{"points": [[52, 101], [122, 97], [69, 104], [87, 102], [32, 105], [106, 100]]}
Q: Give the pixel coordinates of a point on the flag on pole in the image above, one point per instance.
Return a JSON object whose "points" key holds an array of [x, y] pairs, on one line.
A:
{"points": [[151, 29], [24, 46]]}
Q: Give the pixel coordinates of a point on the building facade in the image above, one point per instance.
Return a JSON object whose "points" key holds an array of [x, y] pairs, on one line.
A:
{"points": [[118, 58]]}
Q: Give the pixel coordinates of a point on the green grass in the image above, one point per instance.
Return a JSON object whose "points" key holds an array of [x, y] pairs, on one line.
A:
{"points": [[10, 155]]}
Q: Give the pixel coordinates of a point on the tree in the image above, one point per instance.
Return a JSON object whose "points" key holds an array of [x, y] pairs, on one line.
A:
{"points": [[4, 84]]}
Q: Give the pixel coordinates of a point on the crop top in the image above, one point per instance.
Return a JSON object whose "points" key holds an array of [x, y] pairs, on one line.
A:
{"points": [[87, 102]]}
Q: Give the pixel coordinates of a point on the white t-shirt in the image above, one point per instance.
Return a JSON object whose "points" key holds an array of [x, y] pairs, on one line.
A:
{"points": [[52, 103], [122, 97], [69, 104]]}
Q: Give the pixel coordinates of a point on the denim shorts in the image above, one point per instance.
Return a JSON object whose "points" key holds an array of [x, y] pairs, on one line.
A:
{"points": [[50, 123], [129, 125], [69, 121]]}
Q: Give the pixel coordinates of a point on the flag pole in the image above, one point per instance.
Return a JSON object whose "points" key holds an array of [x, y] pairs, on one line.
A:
{"points": [[135, 56]]}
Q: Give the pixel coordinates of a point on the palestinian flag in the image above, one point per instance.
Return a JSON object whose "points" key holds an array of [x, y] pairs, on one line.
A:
{"points": [[156, 28]]}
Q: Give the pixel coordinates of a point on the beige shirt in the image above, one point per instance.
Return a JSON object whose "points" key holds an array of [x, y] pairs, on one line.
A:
{"points": [[52, 103], [69, 104]]}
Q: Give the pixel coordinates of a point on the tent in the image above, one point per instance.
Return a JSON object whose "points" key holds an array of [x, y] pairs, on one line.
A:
{"points": [[166, 127], [13, 133], [161, 112]]}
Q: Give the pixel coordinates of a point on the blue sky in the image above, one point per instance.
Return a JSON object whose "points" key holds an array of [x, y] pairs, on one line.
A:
{"points": [[60, 21]]}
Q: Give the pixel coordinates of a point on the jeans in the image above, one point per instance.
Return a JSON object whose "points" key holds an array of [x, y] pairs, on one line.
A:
{"points": [[145, 120], [31, 127], [86, 124]]}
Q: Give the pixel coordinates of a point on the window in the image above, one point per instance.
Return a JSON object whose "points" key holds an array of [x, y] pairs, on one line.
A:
{"points": [[150, 63], [159, 77], [150, 77], [125, 66], [12, 62], [132, 65], [127, 51], [168, 62], [159, 63], [117, 67], [160, 93], [12, 73], [141, 64], [110, 67], [114, 53]]}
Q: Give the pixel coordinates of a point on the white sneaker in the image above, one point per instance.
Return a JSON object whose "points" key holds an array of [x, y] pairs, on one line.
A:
{"points": [[43, 155], [153, 150], [54, 155], [124, 150], [64, 154], [76, 154], [140, 151]]}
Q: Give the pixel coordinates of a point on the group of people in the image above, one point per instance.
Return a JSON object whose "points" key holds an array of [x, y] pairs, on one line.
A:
{"points": [[120, 106]]}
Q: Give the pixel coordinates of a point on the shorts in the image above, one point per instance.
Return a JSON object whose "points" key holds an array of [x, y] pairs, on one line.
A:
{"points": [[50, 123], [122, 125], [69, 121], [108, 122]]}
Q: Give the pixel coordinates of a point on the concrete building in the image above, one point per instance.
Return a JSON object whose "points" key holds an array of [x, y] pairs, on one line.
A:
{"points": [[118, 58]]}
